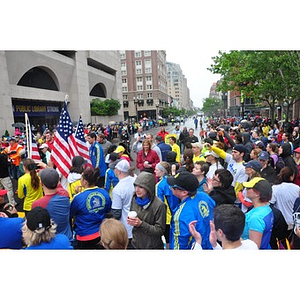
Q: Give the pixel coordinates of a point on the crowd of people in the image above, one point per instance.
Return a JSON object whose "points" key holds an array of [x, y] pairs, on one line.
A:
{"points": [[234, 186]]}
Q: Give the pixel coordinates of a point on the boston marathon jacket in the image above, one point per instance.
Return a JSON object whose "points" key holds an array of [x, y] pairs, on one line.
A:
{"points": [[199, 207]]}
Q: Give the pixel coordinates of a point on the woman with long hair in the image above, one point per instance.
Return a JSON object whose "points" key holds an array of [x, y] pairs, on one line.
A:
{"points": [[284, 195], [147, 158], [88, 209], [29, 185], [187, 164]]}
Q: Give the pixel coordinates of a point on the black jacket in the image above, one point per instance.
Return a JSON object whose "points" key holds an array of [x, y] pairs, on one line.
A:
{"points": [[223, 196]]}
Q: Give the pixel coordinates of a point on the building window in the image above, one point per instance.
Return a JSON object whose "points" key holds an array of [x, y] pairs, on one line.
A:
{"points": [[138, 62], [149, 87], [125, 104], [149, 78], [124, 72], [138, 53], [147, 53], [124, 89], [123, 64], [148, 62], [149, 95], [124, 80], [148, 70], [138, 71], [123, 54], [140, 87], [125, 97], [139, 79]]}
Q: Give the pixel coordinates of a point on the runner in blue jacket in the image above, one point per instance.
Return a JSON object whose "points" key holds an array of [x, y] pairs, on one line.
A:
{"points": [[193, 206]]}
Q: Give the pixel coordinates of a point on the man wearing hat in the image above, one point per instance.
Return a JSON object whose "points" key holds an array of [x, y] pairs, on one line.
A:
{"points": [[266, 171], [121, 152], [122, 194], [259, 220], [193, 206], [44, 148], [234, 163], [57, 205]]}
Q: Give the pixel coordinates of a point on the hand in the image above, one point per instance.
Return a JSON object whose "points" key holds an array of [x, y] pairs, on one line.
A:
{"points": [[11, 210], [213, 234], [134, 221], [78, 189], [147, 165], [196, 235], [208, 186], [298, 231], [208, 146]]}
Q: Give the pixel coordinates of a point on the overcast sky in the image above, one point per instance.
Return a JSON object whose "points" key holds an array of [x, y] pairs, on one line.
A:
{"points": [[194, 66], [191, 32]]}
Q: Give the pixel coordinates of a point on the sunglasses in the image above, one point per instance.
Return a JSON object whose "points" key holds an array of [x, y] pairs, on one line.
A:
{"points": [[177, 188]]}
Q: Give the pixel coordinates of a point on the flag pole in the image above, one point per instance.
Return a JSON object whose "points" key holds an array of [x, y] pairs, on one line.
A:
{"points": [[27, 136]]}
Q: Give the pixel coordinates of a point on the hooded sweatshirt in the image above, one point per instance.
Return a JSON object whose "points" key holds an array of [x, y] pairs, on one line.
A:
{"points": [[153, 216], [73, 181]]}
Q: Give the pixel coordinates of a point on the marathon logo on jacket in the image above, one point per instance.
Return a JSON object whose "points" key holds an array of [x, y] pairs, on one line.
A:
{"points": [[203, 208], [95, 202]]}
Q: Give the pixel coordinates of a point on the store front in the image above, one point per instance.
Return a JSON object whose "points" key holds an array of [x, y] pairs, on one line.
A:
{"points": [[39, 112]]}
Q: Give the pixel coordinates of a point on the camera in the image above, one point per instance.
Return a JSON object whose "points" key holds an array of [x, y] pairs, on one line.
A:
{"points": [[9, 207], [33, 167]]}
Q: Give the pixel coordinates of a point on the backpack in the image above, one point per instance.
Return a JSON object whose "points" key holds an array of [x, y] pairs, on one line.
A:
{"points": [[279, 165]]}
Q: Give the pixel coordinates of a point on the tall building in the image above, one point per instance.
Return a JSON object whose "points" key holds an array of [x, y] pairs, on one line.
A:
{"points": [[144, 83], [36, 82], [177, 86]]}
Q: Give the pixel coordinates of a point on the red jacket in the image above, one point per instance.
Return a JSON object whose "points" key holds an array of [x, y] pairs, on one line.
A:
{"points": [[163, 134], [151, 157]]}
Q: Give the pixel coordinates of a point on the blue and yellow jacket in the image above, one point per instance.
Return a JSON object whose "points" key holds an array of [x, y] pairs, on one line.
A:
{"points": [[111, 180], [199, 207], [97, 158], [88, 208], [164, 193]]}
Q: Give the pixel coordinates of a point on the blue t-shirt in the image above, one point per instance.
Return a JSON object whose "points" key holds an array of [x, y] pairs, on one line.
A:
{"points": [[11, 233], [260, 219], [60, 242]]}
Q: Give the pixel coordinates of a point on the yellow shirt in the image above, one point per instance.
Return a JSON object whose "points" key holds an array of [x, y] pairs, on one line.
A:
{"points": [[199, 158], [176, 149], [26, 191]]}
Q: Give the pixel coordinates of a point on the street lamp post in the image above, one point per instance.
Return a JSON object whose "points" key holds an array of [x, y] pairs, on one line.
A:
{"points": [[135, 101], [157, 110]]}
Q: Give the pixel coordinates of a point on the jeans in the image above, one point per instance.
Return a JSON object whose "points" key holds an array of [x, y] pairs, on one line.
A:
{"points": [[7, 184]]}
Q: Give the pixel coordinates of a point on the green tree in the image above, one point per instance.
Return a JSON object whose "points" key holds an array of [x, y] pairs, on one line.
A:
{"points": [[211, 106], [108, 107], [269, 77]]}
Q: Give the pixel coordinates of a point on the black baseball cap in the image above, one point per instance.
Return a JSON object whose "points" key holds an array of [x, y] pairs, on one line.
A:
{"points": [[184, 180], [38, 218]]}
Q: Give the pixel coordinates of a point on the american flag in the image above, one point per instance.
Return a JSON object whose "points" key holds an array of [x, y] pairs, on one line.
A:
{"points": [[82, 147], [31, 148], [64, 145]]}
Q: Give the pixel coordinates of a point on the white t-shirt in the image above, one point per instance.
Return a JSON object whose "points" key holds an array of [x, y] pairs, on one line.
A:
{"points": [[284, 196], [121, 199], [212, 169], [246, 245]]}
